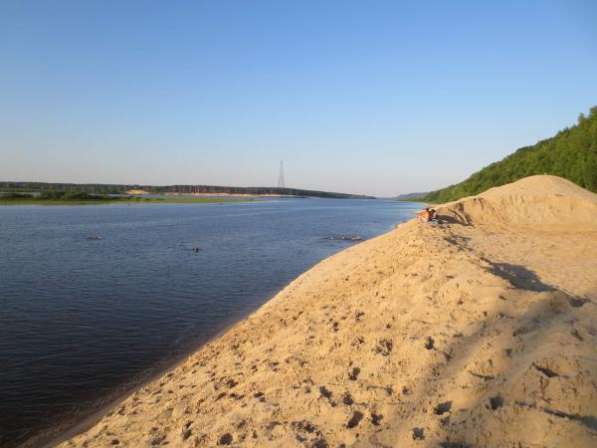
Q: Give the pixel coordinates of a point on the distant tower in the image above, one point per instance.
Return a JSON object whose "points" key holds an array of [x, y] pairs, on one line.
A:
{"points": [[281, 183]]}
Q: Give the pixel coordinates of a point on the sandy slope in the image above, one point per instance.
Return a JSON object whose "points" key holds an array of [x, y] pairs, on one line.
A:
{"points": [[453, 335]]}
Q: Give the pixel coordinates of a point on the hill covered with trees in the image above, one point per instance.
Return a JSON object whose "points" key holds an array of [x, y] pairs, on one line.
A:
{"points": [[571, 153]]}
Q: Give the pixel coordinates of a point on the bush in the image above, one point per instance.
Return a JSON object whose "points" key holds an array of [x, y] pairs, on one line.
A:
{"points": [[73, 196], [16, 196]]}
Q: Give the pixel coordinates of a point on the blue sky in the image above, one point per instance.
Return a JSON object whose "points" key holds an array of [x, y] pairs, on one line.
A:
{"points": [[378, 97]]}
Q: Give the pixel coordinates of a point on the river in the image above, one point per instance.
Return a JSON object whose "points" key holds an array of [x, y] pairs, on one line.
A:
{"points": [[95, 299]]}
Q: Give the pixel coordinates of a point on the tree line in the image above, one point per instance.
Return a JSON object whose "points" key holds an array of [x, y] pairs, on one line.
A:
{"points": [[105, 189]]}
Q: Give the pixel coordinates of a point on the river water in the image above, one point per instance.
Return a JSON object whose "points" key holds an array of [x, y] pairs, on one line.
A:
{"points": [[94, 299]]}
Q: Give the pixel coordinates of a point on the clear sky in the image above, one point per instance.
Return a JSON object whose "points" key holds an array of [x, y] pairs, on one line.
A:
{"points": [[380, 97]]}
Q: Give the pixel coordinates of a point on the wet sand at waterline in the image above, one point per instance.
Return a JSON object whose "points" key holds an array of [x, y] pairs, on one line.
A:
{"points": [[477, 332]]}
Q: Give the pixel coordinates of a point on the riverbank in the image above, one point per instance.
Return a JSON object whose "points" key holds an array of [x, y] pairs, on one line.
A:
{"points": [[125, 200], [476, 332]]}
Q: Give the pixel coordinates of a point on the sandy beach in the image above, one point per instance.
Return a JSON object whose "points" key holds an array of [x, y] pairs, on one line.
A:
{"points": [[477, 332]]}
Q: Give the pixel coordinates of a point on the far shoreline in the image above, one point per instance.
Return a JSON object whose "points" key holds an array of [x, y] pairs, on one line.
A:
{"points": [[169, 198], [128, 201]]}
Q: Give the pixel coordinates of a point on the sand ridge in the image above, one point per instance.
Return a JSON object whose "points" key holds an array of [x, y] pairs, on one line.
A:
{"points": [[479, 332], [535, 202]]}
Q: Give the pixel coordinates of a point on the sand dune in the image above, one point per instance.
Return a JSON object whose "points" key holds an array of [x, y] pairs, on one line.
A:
{"points": [[540, 202], [481, 332]]}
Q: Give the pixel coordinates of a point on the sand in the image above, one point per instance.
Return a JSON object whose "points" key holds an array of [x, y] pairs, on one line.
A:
{"points": [[479, 332]]}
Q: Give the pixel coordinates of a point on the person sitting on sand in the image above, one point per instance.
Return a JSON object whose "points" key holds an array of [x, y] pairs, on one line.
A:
{"points": [[426, 215]]}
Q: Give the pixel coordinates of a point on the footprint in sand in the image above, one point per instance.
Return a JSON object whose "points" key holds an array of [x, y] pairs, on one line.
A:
{"points": [[355, 419], [442, 408], [225, 439], [354, 373], [429, 343], [418, 434]]}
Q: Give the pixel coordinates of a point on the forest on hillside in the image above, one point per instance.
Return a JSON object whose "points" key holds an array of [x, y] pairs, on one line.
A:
{"points": [[571, 153]]}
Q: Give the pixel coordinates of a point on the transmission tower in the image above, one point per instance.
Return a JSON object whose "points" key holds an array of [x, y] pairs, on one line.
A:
{"points": [[281, 182]]}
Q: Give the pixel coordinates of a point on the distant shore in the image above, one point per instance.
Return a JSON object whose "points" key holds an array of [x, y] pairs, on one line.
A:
{"points": [[169, 199], [21, 187]]}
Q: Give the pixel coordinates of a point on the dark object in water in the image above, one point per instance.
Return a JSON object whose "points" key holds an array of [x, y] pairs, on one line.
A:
{"points": [[95, 237], [344, 238]]}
